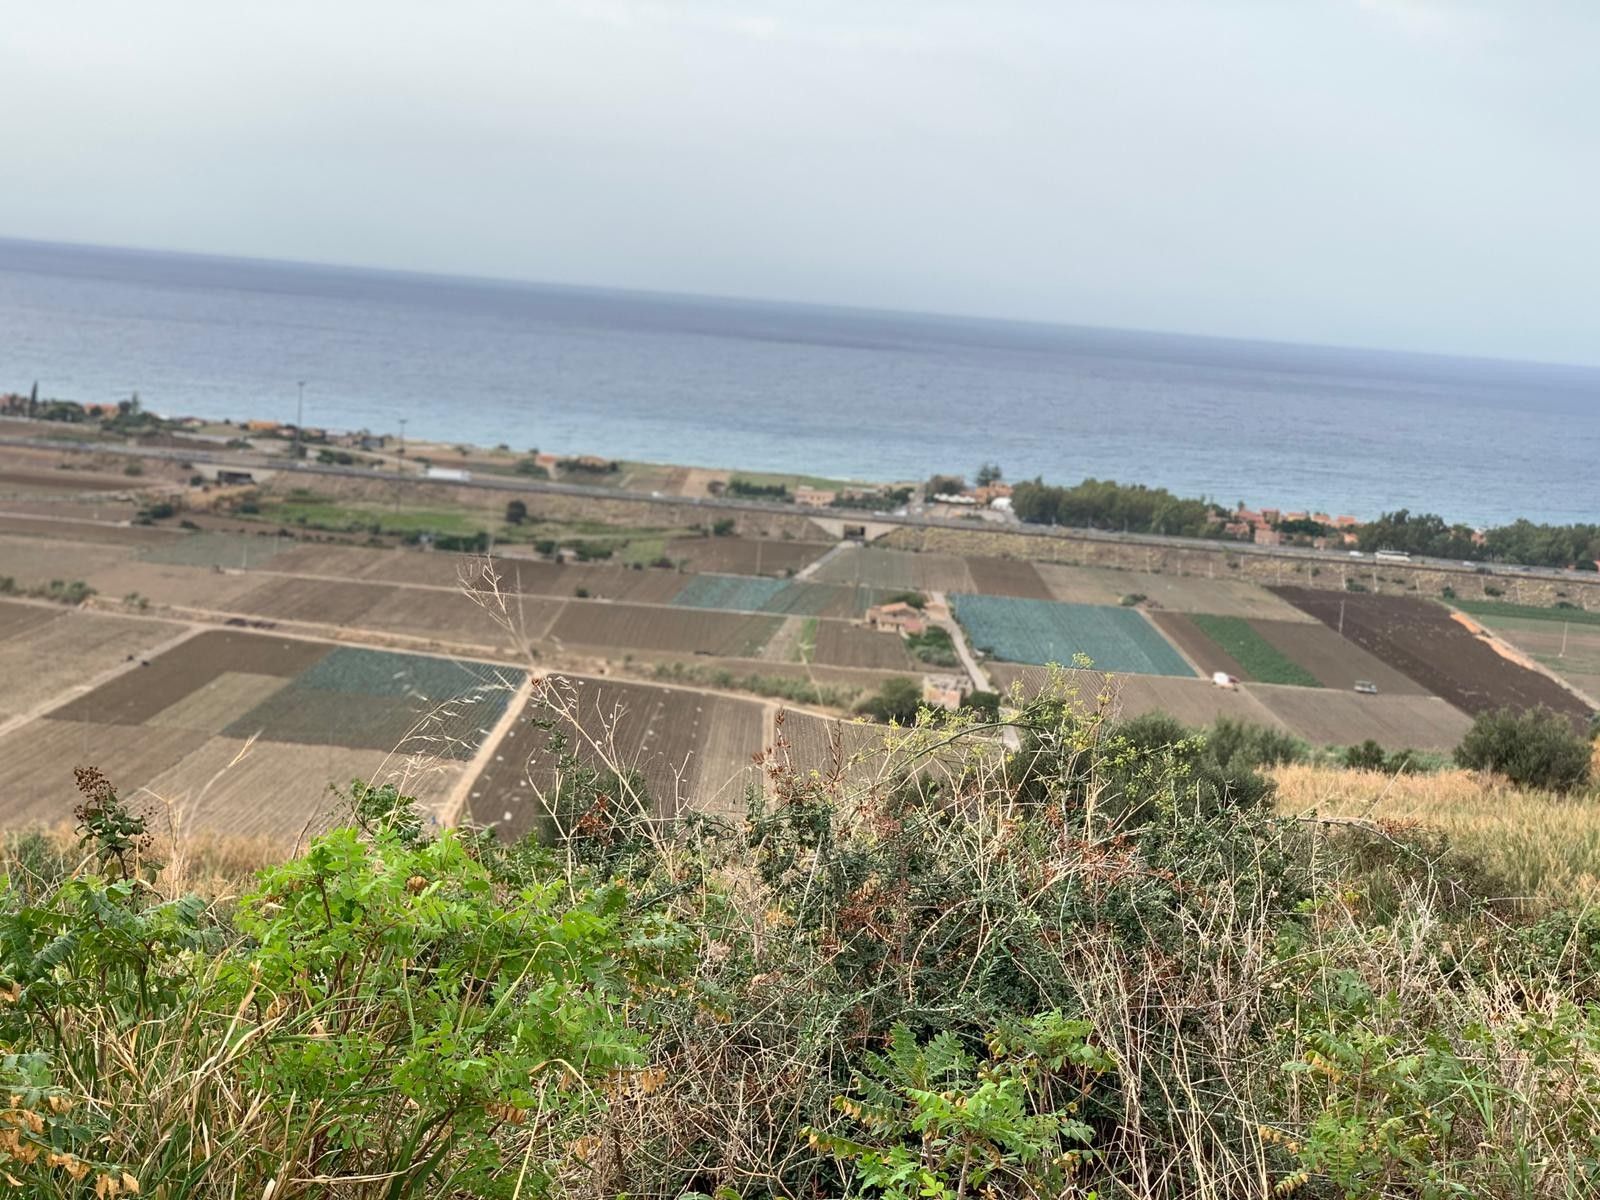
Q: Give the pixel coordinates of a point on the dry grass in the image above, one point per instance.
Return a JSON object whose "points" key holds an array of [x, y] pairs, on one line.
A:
{"points": [[1545, 847]]}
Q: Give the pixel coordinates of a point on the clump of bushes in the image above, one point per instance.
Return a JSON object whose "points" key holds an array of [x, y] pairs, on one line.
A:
{"points": [[1535, 748]]}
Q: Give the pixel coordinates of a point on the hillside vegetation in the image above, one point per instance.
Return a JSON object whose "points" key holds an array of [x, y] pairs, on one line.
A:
{"points": [[1100, 963]]}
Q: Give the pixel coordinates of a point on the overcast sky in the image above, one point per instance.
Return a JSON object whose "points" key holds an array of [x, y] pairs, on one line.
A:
{"points": [[1397, 173]]}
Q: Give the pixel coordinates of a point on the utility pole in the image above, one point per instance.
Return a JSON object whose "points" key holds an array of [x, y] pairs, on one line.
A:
{"points": [[402, 441], [1341, 618], [1565, 625], [300, 420]]}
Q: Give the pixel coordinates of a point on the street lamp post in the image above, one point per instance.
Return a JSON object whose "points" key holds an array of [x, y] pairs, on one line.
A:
{"points": [[300, 420]]}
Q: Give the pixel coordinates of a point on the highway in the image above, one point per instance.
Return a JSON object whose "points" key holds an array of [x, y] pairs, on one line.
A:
{"points": [[242, 460]]}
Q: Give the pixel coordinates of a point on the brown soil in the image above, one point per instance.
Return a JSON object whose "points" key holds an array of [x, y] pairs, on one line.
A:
{"points": [[1335, 661], [1419, 639], [1192, 640], [842, 644], [1007, 577]]}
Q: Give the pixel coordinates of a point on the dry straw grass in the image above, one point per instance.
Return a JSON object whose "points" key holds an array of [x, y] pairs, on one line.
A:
{"points": [[1545, 847]]}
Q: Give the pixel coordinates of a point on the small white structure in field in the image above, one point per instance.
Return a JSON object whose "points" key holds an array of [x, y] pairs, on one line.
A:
{"points": [[450, 473], [1223, 680]]}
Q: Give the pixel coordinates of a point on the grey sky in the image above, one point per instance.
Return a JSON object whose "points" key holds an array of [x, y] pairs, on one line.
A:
{"points": [[1380, 172]]}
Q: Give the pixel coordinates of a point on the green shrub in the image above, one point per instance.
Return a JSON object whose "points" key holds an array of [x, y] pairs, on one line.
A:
{"points": [[1535, 748]]}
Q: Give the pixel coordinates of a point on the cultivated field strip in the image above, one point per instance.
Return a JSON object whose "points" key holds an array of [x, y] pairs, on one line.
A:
{"points": [[281, 790], [56, 658], [1336, 662], [1045, 631], [897, 570], [1180, 629], [1180, 593], [17, 619], [1572, 651], [842, 644], [216, 549], [33, 561], [745, 593], [605, 626], [1007, 577], [40, 756], [320, 601], [1420, 639], [1195, 702], [690, 749], [176, 586], [745, 556], [134, 536], [1325, 717], [135, 696]]}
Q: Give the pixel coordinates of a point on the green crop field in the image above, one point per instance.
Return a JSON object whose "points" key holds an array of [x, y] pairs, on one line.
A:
{"points": [[1532, 612], [1046, 631], [1262, 661]]}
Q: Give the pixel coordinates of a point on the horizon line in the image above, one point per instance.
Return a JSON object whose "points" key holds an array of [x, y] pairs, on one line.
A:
{"points": [[784, 302]]}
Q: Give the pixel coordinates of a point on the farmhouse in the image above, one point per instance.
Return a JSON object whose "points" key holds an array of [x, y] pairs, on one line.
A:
{"points": [[944, 691], [810, 497], [898, 617]]}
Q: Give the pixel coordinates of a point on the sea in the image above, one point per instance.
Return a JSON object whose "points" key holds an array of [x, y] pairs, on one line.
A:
{"points": [[837, 392]]}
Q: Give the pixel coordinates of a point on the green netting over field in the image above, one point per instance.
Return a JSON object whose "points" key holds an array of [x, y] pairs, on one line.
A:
{"points": [[792, 597], [1046, 631], [218, 550], [379, 700]]}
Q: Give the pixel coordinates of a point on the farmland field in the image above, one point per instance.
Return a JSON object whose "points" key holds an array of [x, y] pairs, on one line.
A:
{"points": [[683, 630], [321, 601], [1044, 631], [1336, 662], [1007, 577], [1499, 609], [90, 531], [1204, 652], [898, 570], [1195, 702], [40, 756], [842, 644], [745, 556], [1421, 640], [221, 785], [217, 550], [689, 748], [1260, 659], [179, 586], [53, 658], [1180, 593], [744, 593], [1330, 718], [1570, 650], [35, 560]]}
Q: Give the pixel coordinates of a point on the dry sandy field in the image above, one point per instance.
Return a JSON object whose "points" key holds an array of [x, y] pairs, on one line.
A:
{"points": [[605, 626], [842, 644], [324, 601], [1423, 641]]}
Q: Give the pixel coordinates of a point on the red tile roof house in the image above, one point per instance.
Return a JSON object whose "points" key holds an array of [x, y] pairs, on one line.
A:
{"points": [[898, 617]]}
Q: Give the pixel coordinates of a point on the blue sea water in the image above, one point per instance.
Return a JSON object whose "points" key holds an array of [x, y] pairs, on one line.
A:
{"points": [[766, 386]]}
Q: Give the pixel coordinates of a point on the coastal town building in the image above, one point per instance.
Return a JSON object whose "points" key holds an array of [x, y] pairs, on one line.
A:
{"points": [[810, 497], [898, 617]]}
